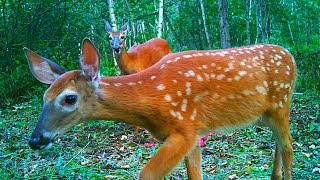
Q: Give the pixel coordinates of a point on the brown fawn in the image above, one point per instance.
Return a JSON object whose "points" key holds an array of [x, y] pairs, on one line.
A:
{"points": [[182, 97], [139, 57]]}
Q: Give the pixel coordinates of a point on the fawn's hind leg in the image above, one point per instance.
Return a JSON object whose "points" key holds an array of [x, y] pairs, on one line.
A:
{"points": [[193, 163], [279, 124]]}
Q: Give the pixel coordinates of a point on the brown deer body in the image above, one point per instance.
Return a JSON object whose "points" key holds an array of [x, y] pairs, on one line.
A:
{"points": [[138, 57], [179, 99]]}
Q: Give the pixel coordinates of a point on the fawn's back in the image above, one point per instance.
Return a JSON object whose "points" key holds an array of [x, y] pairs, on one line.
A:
{"points": [[219, 88]]}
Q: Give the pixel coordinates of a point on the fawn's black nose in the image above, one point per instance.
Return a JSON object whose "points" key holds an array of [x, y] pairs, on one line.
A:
{"points": [[34, 142], [116, 49], [40, 142]]}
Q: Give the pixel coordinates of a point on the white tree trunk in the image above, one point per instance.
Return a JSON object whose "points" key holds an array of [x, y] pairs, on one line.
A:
{"points": [[205, 24], [247, 4], [160, 22], [114, 28]]}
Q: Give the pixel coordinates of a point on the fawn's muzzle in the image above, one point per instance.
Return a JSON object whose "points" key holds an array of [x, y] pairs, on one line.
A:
{"points": [[40, 142]]}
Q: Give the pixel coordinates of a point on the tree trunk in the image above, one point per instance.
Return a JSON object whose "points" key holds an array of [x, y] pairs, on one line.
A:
{"points": [[114, 28], [224, 27], [160, 22], [131, 29], [205, 24], [248, 5], [268, 22], [173, 31], [263, 20], [261, 35]]}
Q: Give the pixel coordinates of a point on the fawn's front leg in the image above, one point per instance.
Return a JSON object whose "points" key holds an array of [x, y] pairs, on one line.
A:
{"points": [[174, 149]]}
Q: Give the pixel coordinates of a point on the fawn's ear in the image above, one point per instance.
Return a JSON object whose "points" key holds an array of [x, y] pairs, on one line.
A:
{"points": [[108, 27], [43, 69], [90, 61], [124, 27]]}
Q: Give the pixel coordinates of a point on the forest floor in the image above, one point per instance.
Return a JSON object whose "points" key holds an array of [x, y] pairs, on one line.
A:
{"points": [[108, 150]]}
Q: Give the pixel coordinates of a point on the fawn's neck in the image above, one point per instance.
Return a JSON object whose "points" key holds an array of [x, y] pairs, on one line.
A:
{"points": [[123, 59], [127, 99]]}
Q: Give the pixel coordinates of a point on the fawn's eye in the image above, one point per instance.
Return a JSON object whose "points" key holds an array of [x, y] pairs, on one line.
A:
{"points": [[110, 38], [122, 37], [70, 99]]}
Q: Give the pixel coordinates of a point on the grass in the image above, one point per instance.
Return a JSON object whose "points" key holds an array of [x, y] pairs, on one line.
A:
{"points": [[107, 150]]}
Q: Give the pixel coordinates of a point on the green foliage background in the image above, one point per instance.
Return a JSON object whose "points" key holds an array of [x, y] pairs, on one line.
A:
{"points": [[55, 30]]}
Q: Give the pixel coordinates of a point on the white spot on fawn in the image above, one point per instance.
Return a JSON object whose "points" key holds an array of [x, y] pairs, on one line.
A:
{"points": [[131, 83], [288, 67], [215, 96], [281, 104], [189, 73], [220, 76], [179, 116], [237, 78], [173, 113], [248, 92], [168, 98], [275, 83], [242, 73], [179, 93], [285, 98], [199, 78], [188, 88], [194, 114], [261, 90], [184, 105], [207, 76], [161, 87], [152, 77], [187, 56], [174, 104]]}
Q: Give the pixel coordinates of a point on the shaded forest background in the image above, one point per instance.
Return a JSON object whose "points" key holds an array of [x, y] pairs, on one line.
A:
{"points": [[55, 30]]}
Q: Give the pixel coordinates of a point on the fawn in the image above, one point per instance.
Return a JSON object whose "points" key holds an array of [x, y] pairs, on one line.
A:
{"points": [[139, 57], [182, 97]]}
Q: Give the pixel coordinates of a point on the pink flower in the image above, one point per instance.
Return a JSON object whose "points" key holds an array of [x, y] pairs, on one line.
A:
{"points": [[201, 142], [150, 145]]}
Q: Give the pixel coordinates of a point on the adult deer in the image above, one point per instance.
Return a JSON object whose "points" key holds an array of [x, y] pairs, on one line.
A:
{"points": [[179, 99], [138, 57]]}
